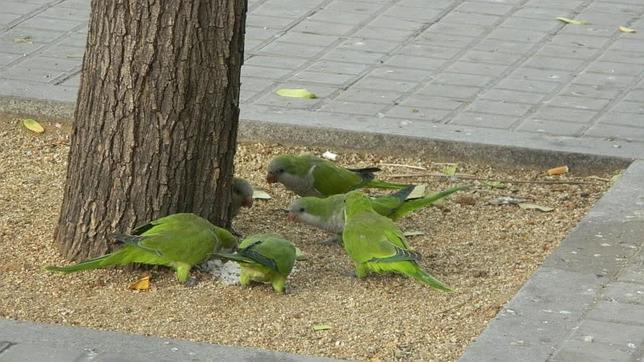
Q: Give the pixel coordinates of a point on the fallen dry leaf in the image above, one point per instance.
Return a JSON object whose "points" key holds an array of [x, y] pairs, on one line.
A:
{"points": [[449, 169], [143, 284], [32, 125], [417, 192], [296, 93], [261, 195], [558, 170], [321, 327], [573, 21], [624, 29], [23, 39]]}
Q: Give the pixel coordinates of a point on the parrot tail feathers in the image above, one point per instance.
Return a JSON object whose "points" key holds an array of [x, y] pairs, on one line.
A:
{"points": [[366, 173], [378, 184], [415, 204], [89, 264], [234, 257], [426, 278], [404, 192]]}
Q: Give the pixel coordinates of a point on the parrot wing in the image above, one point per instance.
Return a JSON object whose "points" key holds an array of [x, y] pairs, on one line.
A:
{"points": [[181, 237], [257, 256], [330, 179]]}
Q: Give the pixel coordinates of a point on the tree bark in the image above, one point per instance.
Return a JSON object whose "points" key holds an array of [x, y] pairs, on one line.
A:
{"points": [[155, 125]]}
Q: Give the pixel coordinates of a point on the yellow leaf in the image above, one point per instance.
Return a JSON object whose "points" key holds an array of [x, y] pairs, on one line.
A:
{"points": [[449, 169], [32, 125], [624, 29], [321, 327], [558, 170], [23, 39], [573, 21], [296, 93], [143, 284]]}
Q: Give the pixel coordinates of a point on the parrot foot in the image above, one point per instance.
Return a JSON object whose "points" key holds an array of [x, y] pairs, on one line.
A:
{"points": [[351, 274], [333, 240], [191, 282]]}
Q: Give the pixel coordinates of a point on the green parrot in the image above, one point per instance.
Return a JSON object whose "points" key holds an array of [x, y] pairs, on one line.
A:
{"points": [[179, 241], [264, 258], [308, 175], [242, 195], [375, 244], [328, 213]]}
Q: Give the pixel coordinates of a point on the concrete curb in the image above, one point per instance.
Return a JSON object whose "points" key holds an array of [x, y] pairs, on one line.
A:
{"points": [[27, 341], [443, 143]]}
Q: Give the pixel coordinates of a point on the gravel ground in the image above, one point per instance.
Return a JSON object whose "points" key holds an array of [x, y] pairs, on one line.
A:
{"points": [[485, 252]]}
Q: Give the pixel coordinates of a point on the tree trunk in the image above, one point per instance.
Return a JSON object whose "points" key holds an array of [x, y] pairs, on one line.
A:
{"points": [[155, 126]]}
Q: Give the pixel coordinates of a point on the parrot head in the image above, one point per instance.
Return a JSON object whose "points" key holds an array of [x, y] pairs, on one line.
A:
{"points": [[306, 209], [243, 192], [276, 168], [297, 210]]}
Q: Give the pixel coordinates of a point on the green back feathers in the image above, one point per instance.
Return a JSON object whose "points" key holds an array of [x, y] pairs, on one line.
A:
{"points": [[226, 239], [179, 241], [270, 250], [357, 203], [331, 179]]}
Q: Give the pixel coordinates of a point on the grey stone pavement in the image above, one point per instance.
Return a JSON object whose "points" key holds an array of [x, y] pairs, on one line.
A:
{"points": [[481, 72]]}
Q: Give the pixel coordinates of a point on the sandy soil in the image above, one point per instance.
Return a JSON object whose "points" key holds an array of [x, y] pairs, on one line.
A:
{"points": [[485, 252]]}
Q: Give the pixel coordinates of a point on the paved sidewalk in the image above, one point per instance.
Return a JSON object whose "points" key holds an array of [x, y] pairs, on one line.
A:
{"points": [[505, 69], [32, 342], [486, 72]]}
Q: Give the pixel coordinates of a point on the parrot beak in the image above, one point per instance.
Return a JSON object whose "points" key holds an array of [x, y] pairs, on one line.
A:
{"points": [[291, 217], [271, 178], [247, 202]]}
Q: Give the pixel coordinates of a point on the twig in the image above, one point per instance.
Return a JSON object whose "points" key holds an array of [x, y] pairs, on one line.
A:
{"points": [[401, 165], [469, 177]]}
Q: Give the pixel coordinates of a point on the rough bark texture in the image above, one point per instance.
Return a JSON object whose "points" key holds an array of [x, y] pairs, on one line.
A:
{"points": [[155, 126]]}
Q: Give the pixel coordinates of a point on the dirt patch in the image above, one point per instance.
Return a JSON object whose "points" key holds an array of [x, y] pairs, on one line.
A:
{"points": [[485, 252]]}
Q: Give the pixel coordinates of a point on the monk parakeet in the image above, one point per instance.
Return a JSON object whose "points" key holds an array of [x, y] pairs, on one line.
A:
{"points": [[179, 241], [242, 195], [264, 258], [328, 213], [375, 244], [308, 175]]}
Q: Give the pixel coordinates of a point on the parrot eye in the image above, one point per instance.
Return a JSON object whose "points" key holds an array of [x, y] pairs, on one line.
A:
{"points": [[302, 209], [281, 170]]}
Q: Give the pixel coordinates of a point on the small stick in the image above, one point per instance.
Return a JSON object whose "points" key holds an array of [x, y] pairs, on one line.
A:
{"points": [[469, 177], [401, 165]]}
